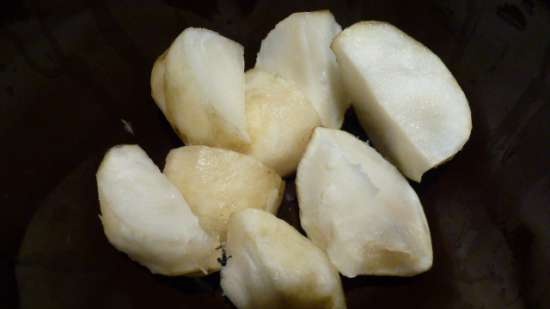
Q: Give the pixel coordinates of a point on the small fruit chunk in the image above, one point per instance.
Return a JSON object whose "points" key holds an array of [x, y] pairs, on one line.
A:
{"points": [[405, 97], [145, 216], [280, 121], [271, 266], [298, 49], [204, 89], [157, 82], [358, 208], [218, 182]]}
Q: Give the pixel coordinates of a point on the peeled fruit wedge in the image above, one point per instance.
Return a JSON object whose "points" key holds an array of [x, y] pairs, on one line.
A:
{"points": [[271, 265], [204, 89], [145, 216], [218, 182], [405, 97], [157, 82], [298, 49], [358, 208], [280, 121]]}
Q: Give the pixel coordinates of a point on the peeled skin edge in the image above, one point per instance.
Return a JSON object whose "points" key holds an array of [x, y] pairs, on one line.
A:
{"points": [[298, 49], [405, 97], [357, 207], [157, 82], [280, 121], [145, 216], [204, 89], [272, 266], [218, 182]]}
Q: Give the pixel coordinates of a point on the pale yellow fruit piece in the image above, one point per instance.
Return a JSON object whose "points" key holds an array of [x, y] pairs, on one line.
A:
{"points": [[298, 49], [272, 266], [157, 82], [280, 121], [218, 182], [145, 216], [405, 97], [357, 207], [204, 89]]}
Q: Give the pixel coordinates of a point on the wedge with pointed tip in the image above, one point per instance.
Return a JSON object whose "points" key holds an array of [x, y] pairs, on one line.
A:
{"points": [[280, 121], [204, 89], [405, 97], [298, 49], [358, 208], [218, 182], [272, 266], [145, 216]]}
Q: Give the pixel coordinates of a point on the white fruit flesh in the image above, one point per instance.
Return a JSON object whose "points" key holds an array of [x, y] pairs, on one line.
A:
{"points": [[357, 206], [157, 82], [218, 182], [271, 265], [204, 89], [298, 49], [280, 121], [145, 216], [405, 97]]}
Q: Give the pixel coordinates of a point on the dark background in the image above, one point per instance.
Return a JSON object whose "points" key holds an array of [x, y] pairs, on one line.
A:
{"points": [[72, 72]]}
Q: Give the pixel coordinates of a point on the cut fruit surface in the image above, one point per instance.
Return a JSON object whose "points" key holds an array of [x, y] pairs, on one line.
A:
{"points": [[145, 216], [218, 182], [280, 121], [405, 97], [358, 208], [298, 49], [204, 89], [272, 266], [157, 82]]}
